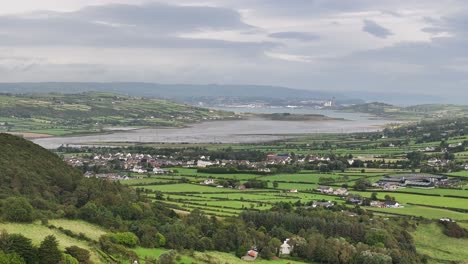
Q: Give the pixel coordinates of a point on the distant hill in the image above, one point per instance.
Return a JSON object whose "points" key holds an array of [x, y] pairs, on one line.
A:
{"points": [[60, 114], [410, 112], [32, 171], [376, 108], [179, 92]]}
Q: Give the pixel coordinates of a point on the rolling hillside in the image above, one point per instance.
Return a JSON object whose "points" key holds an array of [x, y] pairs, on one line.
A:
{"points": [[60, 114], [29, 170]]}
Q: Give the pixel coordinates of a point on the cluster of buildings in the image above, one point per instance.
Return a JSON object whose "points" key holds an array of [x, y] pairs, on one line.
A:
{"points": [[385, 204], [412, 180], [330, 190], [139, 163], [284, 249]]}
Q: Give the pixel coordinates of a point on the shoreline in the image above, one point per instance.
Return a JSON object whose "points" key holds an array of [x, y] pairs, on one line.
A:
{"points": [[253, 130]]}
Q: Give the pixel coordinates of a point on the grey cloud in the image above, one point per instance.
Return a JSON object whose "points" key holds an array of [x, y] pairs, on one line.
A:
{"points": [[302, 36], [433, 30], [169, 17], [149, 26], [375, 29]]}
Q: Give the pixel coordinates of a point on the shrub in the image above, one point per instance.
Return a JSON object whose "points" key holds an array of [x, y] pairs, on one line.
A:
{"points": [[10, 258], [17, 209], [81, 254], [68, 259], [127, 239]]}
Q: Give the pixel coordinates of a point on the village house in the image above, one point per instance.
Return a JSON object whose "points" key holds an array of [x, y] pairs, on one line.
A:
{"points": [[324, 189], [392, 204], [251, 255], [138, 170], [385, 204], [341, 192], [446, 220], [354, 199], [285, 248], [208, 182], [293, 191], [159, 171], [378, 204], [278, 158], [326, 204], [390, 186], [204, 164]]}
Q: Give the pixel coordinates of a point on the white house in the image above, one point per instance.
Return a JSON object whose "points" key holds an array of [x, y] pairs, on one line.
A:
{"points": [[208, 182], [159, 171], [285, 248], [204, 164], [324, 189], [341, 191]]}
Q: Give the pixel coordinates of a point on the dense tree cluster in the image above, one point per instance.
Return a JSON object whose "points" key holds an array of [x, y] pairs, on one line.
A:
{"points": [[17, 249]]}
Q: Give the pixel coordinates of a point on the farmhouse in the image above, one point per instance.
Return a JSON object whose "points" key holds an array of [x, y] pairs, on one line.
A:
{"points": [[341, 192], [391, 204], [251, 255], [159, 171], [385, 204], [323, 204], [285, 248], [208, 182], [204, 164], [324, 189]]}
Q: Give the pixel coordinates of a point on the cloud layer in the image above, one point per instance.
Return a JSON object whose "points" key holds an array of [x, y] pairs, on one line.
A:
{"points": [[405, 46]]}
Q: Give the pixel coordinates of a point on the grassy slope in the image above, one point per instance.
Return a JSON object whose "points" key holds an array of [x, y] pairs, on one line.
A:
{"points": [[78, 226], [36, 232], [431, 241], [58, 114], [409, 113]]}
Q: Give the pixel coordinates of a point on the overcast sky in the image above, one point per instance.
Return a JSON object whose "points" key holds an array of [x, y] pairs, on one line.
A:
{"points": [[417, 46]]}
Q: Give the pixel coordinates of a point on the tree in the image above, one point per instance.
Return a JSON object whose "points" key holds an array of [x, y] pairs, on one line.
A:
{"points": [[68, 259], [22, 246], [368, 257], [374, 196], [48, 251], [80, 254], [160, 239], [127, 239], [11, 258], [17, 209], [275, 244], [361, 185], [167, 258], [159, 195], [275, 184]]}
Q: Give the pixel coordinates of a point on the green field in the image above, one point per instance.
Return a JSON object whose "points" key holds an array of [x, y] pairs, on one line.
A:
{"points": [[59, 114], [443, 202], [432, 242], [196, 188], [37, 232], [77, 226], [422, 211]]}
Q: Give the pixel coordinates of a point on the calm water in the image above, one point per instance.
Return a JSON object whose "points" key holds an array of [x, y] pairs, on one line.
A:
{"points": [[239, 131]]}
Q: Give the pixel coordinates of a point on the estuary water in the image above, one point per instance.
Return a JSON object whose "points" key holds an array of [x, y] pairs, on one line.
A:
{"points": [[234, 131]]}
